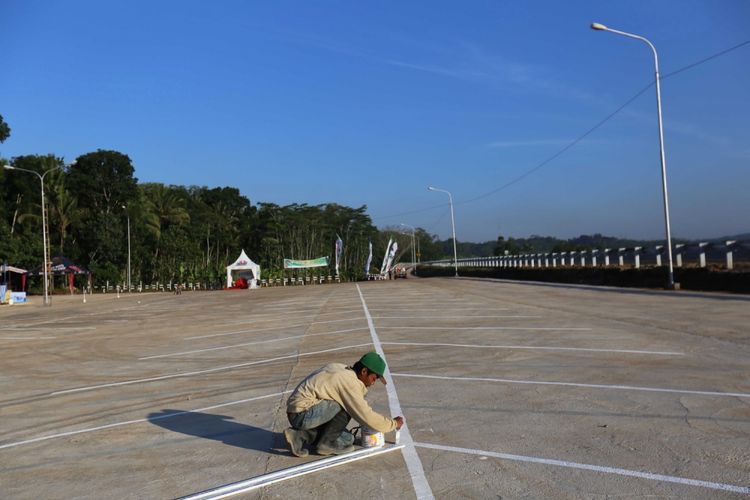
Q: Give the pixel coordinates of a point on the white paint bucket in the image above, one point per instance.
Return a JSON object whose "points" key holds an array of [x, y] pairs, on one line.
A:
{"points": [[372, 438]]}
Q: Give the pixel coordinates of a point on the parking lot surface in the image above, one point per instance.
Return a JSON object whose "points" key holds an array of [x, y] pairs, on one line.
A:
{"points": [[509, 390]]}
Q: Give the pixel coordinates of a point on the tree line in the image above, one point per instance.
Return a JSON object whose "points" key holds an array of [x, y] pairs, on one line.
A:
{"points": [[177, 233]]}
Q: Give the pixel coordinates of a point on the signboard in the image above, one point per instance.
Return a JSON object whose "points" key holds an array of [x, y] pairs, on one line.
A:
{"points": [[301, 264], [17, 297]]}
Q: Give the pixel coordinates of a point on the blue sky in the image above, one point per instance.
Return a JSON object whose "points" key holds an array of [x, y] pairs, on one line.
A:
{"points": [[368, 103]]}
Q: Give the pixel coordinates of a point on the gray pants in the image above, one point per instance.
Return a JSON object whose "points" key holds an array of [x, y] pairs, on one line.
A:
{"points": [[328, 420]]}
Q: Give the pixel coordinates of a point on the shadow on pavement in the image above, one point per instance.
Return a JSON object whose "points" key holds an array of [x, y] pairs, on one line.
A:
{"points": [[220, 428]]}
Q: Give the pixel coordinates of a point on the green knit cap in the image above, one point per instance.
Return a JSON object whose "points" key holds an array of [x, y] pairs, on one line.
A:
{"points": [[373, 362]]}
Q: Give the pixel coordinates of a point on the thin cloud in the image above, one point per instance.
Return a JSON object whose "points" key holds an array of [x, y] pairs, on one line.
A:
{"points": [[462, 60], [460, 74], [536, 142], [539, 142]]}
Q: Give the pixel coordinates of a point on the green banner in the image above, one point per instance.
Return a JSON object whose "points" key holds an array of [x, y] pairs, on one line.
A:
{"points": [[301, 264]]}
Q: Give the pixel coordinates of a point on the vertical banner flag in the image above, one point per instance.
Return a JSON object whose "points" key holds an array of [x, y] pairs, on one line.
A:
{"points": [[391, 255], [385, 256], [369, 260], [339, 251]]}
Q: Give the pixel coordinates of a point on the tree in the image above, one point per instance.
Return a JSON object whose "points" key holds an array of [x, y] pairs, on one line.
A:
{"points": [[4, 130], [510, 245], [102, 182], [62, 207]]}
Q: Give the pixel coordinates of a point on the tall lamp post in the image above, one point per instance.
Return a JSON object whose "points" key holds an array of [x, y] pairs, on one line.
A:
{"points": [[601, 27], [413, 247], [44, 223], [453, 225], [128, 215]]}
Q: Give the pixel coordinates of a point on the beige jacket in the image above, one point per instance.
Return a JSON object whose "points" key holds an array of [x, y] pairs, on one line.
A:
{"points": [[338, 383]]}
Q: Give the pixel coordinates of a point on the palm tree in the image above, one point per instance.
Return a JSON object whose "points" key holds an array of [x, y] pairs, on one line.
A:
{"points": [[62, 206], [164, 208]]}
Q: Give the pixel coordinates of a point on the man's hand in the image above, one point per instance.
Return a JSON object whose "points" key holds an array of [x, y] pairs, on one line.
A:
{"points": [[399, 422]]}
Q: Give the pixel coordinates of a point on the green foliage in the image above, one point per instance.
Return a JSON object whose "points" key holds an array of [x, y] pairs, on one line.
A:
{"points": [[510, 246], [4, 130], [180, 233]]}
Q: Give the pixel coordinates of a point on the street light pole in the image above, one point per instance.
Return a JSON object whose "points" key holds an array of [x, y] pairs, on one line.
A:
{"points": [[453, 225], [601, 27], [128, 216], [44, 224], [413, 247]]}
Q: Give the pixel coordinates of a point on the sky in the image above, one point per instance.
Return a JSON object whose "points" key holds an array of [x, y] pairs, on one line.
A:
{"points": [[369, 103]]}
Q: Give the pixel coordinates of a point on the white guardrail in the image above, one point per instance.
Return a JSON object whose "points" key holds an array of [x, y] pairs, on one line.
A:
{"points": [[701, 253]]}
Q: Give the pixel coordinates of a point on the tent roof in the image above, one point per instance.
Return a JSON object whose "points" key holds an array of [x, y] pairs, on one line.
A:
{"points": [[60, 265], [243, 262], [5, 268]]}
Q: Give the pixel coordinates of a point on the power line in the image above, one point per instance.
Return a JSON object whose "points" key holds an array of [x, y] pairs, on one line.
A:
{"points": [[698, 63], [579, 138]]}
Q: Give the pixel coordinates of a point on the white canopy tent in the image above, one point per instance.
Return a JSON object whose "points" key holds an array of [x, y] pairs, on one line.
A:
{"points": [[240, 268]]}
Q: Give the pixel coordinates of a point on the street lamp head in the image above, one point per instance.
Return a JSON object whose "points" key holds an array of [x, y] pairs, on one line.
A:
{"points": [[598, 27], [8, 167], [430, 188]]}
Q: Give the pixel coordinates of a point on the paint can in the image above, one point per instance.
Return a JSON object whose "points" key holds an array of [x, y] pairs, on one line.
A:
{"points": [[372, 438]]}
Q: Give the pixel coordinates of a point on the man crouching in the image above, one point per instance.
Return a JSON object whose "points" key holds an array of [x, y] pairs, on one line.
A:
{"points": [[320, 407]]}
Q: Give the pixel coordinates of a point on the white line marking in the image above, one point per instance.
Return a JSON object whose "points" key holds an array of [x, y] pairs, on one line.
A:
{"points": [[288, 473], [250, 330], [56, 328], [452, 316], [254, 330], [571, 384], [595, 468], [250, 343], [418, 479], [443, 309], [546, 348], [139, 420], [283, 316], [336, 321], [200, 372], [482, 328], [27, 338]]}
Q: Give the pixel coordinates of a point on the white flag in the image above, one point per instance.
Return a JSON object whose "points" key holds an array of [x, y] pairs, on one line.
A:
{"points": [[391, 255], [385, 256], [369, 260], [339, 251]]}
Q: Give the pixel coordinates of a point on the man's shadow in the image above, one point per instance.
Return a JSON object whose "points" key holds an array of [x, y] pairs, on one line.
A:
{"points": [[220, 428]]}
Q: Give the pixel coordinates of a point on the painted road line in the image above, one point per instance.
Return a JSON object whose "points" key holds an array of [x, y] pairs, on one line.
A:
{"points": [[453, 316], [284, 316], [336, 321], [595, 468], [201, 372], [138, 421], [282, 339], [418, 479], [544, 348], [26, 338], [289, 473], [572, 384], [254, 330], [422, 309], [485, 328], [249, 330]]}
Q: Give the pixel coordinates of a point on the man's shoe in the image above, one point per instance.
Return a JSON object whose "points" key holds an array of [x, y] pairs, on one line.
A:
{"points": [[296, 439], [325, 450]]}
